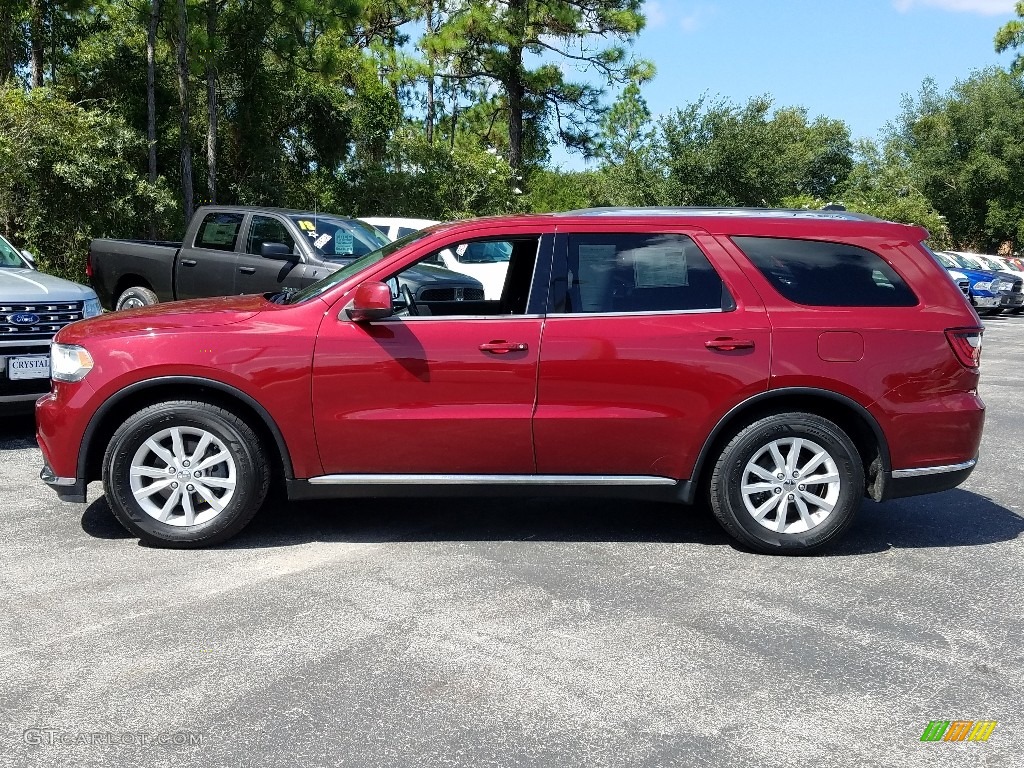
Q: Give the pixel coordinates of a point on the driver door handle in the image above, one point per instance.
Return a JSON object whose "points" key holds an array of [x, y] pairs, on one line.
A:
{"points": [[188, 262], [504, 347], [247, 270], [729, 344]]}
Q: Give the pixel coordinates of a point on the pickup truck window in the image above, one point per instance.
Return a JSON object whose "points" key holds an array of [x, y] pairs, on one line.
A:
{"points": [[336, 239], [219, 231], [9, 256], [265, 229]]}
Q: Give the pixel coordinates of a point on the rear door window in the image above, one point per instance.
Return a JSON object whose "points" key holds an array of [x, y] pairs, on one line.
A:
{"points": [[634, 273], [219, 231], [820, 274]]}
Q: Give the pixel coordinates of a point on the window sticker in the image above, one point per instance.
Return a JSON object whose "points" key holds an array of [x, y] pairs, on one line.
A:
{"points": [[307, 225], [660, 267], [219, 234], [321, 241], [343, 242]]}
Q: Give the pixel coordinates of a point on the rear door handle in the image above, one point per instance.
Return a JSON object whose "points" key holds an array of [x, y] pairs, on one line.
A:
{"points": [[188, 262], [504, 347], [726, 344], [247, 270]]}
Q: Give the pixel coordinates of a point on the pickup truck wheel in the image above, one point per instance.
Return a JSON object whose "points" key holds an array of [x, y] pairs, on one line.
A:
{"points": [[787, 484], [184, 474], [135, 297]]}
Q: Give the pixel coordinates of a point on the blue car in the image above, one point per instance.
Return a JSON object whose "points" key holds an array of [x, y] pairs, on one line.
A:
{"points": [[990, 292]]}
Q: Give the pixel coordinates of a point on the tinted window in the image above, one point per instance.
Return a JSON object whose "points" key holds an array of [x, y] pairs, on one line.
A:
{"points": [[218, 231], [265, 229], [827, 274], [634, 273], [403, 231]]}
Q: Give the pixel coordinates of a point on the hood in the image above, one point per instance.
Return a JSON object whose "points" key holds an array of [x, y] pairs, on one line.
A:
{"points": [[428, 273], [24, 286], [175, 315], [977, 275]]}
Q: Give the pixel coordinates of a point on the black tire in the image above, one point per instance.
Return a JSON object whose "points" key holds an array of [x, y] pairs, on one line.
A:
{"points": [[727, 499], [252, 476], [1016, 310], [135, 297]]}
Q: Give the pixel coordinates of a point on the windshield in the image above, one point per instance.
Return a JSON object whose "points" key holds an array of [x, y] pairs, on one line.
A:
{"points": [[339, 239], [314, 290], [9, 256], [948, 260]]}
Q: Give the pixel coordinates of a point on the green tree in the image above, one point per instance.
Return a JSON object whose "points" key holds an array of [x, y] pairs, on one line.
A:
{"points": [[966, 157], [1010, 36], [511, 45], [68, 174], [723, 154]]}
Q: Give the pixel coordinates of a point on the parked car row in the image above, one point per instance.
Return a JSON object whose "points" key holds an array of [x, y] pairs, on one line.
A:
{"points": [[994, 284]]}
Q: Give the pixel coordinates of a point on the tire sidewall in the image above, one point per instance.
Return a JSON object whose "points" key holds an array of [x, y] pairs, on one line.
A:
{"points": [[146, 296], [829, 437], [136, 430]]}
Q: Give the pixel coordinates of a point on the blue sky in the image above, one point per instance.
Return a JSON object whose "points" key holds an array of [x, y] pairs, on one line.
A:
{"points": [[847, 59]]}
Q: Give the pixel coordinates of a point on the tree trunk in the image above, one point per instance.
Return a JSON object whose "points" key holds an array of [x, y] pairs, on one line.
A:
{"points": [[514, 88], [154, 19], [211, 101], [431, 28], [37, 24], [183, 99]]}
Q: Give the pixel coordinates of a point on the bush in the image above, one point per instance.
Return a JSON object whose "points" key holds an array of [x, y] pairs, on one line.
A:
{"points": [[69, 173]]}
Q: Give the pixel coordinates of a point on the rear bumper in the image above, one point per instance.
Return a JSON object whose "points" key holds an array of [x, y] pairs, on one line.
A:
{"points": [[921, 480]]}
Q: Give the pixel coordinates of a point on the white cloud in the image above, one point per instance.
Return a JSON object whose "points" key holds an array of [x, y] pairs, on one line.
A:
{"points": [[655, 13], [984, 7], [691, 21]]}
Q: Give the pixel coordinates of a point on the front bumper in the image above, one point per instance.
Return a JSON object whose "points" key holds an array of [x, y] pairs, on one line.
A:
{"points": [[1011, 300], [71, 489]]}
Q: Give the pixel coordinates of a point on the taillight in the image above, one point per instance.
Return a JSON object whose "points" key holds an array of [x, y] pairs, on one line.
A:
{"points": [[88, 264], [966, 344]]}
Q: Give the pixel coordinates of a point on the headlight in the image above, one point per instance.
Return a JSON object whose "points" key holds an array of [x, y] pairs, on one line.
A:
{"points": [[995, 285], [69, 363], [92, 308], [981, 286]]}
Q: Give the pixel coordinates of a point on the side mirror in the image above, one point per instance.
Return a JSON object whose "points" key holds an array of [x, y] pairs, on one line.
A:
{"points": [[276, 251], [30, 258], [371, 302]]}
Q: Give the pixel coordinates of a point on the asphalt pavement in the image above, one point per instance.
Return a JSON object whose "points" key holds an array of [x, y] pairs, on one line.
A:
{"points": [[542, 632]]}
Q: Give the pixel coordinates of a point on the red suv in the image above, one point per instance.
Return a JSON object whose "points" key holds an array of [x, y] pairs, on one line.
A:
{"points": [[782, 364]]}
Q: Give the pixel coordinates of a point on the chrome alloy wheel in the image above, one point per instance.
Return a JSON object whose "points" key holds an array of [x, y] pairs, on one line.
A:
{"points": [[132, 303], [791, 485], [183, 476]]}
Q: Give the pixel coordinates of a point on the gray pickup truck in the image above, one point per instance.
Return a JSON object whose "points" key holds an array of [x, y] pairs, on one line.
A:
{"points": [[231, 250], [33, 307]]}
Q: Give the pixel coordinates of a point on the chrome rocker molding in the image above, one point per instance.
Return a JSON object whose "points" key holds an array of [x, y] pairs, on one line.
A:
{"points": [[490, 480], [440, 485]]}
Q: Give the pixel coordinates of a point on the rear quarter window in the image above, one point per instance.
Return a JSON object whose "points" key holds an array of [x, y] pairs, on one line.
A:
{"points": [[219, 231], [821, 274]]}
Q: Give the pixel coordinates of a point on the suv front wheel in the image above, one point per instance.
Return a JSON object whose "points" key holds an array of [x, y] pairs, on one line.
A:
{"points": [[184, 474], [787, 484]]}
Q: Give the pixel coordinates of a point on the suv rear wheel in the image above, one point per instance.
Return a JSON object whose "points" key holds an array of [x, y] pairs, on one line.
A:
{"points": [[184, 474], [789, 483]]}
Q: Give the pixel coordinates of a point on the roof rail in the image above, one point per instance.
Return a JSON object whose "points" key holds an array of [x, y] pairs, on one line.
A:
{"points": [[775, 213]]}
